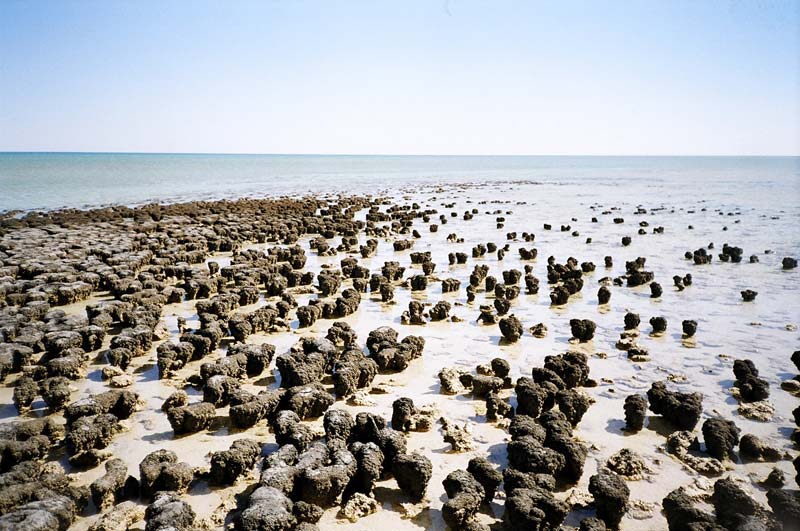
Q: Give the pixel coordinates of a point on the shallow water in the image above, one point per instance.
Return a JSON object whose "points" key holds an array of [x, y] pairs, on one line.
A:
{"points": [[727, 329], [79, 180]]}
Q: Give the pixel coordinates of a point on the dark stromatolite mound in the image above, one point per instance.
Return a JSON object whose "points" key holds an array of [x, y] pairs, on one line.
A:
{"points": [[632, 321], [789, 263], [338, 424], [681, 409], [466, 495], [486, 474], [55, 392], [574, 453], [749, 295], [370, 466], [110, 487], [440, 311], [324, 484], [342, 334], [88, 434], [689, 327], [176, 399], [751, 387], [55, 513], [635, 273], [268, 509], [582, 329], [659, 324], [731, 253], [774, 480], [533, 397], [306, 362], [247, 409], [412, 472], [161, 471], [406, 416], [527, 454], [610, 497], [121, 403], [533, 508], [603, 295], [191, 418], [511, 328], [218, 390], [736, 509], [484, 385], [289, 429], [514, 479], [573, 404], [531, 284], [754, 448], [30, 480], [527, 426], [228, 465], [391, 355], [497, 408], [415, 315], [681, 513], [635, 412], [308, 401], [353, 371], [168, 511], [655, 290], [25, 392], [721, 436], [572, 368], [785, 506], [450, 285]]}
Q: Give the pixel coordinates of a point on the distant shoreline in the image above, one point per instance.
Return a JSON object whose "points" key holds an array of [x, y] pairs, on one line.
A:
{"points": [[420, 155], [53, 181]]}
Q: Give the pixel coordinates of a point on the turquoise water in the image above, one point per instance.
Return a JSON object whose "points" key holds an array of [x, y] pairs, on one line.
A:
{"points": [[30, 181]]}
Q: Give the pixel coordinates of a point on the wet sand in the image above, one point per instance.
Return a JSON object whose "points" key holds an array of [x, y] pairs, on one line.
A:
{"points": [[728, 328]]}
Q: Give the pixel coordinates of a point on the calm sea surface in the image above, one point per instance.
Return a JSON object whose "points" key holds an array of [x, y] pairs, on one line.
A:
{"points": [[31, 181]]}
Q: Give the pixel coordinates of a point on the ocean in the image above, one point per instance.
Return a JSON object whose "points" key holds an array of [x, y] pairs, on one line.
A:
{"points": [[47, 181]]}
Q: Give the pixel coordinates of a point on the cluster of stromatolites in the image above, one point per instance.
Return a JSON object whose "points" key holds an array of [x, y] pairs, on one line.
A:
{"points": [[137, 262]]}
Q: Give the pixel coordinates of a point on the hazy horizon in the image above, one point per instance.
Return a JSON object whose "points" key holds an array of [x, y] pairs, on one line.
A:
{"points": [[477, 155]]}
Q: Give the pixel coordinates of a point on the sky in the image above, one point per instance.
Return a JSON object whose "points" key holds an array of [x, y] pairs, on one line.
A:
{"points": [[404, 77]]}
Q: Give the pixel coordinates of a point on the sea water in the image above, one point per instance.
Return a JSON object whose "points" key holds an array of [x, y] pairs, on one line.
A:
{"points": [[46, 181]]}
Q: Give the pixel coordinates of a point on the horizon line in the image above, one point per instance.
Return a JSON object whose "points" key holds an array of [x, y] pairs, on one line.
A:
{"points": [[242, 153]]}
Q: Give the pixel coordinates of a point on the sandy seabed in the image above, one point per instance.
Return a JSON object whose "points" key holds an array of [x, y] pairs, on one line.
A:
{"points": [[728, 328]]}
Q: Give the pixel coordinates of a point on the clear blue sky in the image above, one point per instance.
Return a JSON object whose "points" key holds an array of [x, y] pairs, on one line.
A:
{"points": [[433, 77]]}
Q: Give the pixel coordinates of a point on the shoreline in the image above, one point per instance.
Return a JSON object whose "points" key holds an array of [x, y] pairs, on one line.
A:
{"points": [[47, 181]]}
